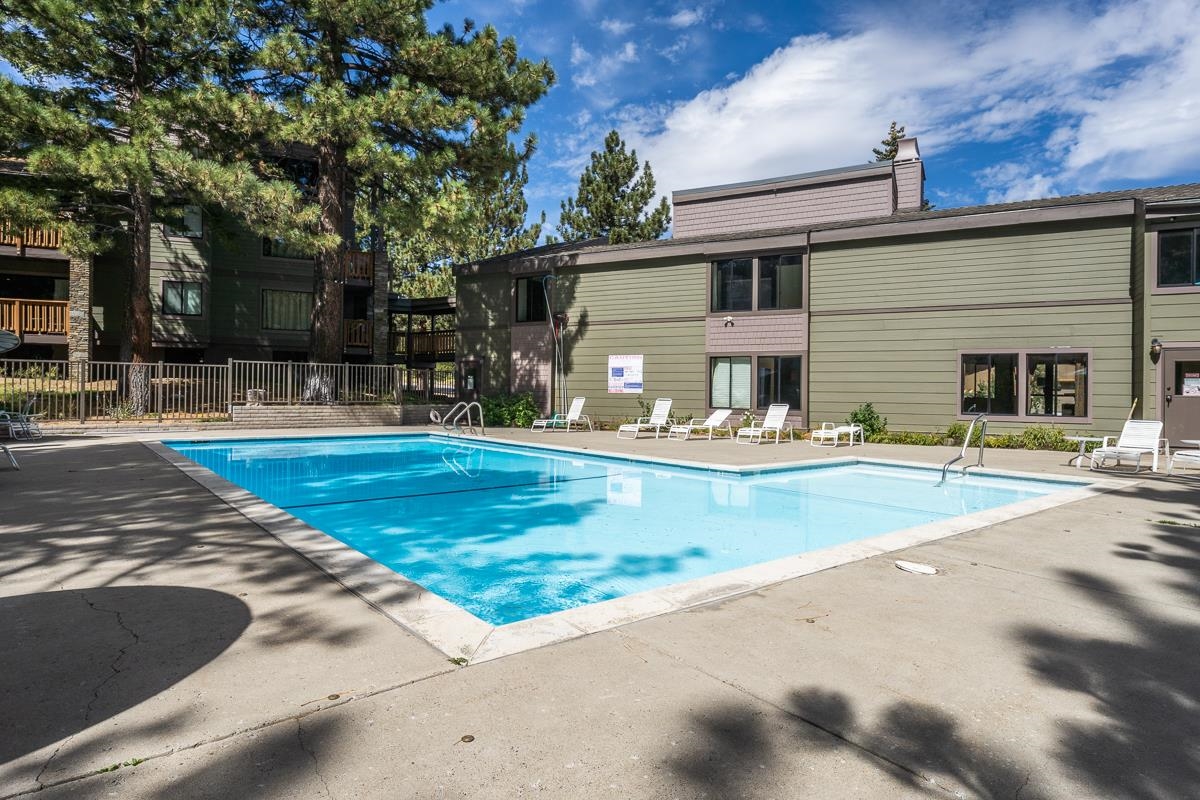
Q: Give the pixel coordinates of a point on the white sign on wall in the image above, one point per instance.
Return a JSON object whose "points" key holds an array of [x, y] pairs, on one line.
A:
{"points": [[625, 374]]}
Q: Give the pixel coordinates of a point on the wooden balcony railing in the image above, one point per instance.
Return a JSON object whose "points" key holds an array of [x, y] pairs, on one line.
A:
{"points": [[425, 345], [22, 238], [359, 265], [357, 332], [39, 317]]}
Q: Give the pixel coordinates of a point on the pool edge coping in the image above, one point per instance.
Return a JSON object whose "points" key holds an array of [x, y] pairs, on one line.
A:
{"points": [[459, 634]]}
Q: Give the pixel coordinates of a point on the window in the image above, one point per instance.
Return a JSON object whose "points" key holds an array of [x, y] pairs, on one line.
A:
{"points": [[989, 384], [730, 385], [189, 223], [758, 284], [733, 284], [531, 300], [278, 248], [780, 282], [779, 380], [286, 311], [1179, 258], [1056, 385], [181, 298]]}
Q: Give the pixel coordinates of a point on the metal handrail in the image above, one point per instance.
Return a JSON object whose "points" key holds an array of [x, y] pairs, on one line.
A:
{"points": [[966, 443], [462, 408]]}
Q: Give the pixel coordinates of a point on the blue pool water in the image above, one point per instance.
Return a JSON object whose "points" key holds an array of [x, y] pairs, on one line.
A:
{"points": [[510, 533]]}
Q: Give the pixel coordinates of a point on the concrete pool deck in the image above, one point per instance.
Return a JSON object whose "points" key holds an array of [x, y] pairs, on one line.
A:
{"points": [[1056, 655]]}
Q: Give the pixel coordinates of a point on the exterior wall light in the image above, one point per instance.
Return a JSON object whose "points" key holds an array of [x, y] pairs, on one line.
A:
{"points": [[1156, 349], [729, 322]]}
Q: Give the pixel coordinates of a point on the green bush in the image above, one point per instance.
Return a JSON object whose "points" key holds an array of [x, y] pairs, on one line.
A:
{"points": [[509, 410], [868, 417], [907, 437]]}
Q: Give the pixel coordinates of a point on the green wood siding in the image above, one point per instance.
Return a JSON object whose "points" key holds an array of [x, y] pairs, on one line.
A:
{"points": [[674, 366], [907, 363], [1031, 264], [654, 290], [240, 273], [622, 309], [483, 323], [1175, 317]]}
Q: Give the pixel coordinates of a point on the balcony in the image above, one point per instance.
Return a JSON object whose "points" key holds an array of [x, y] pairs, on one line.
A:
{"points": [[423, 346], [358, 267], [24, 238], [356, 334], [35, 318]]}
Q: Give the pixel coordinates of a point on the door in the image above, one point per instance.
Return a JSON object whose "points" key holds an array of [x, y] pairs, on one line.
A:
{"points": [[1181, 395]]}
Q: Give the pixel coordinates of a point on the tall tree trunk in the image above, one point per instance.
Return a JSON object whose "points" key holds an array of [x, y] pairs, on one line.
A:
{"points": [[135, 345], [326, 329]]}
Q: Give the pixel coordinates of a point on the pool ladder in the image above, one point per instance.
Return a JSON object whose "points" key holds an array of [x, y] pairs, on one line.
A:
{"points": [[453, 421], [981, 418]]}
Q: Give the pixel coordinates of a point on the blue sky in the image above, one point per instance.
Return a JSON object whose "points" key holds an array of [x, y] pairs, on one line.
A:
{"points": [[1008, 101]]}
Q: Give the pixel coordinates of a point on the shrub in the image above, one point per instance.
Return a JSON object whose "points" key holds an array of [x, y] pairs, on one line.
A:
{"points": [[509, 410], [868, 417], [907, 437], [1045, 437]]}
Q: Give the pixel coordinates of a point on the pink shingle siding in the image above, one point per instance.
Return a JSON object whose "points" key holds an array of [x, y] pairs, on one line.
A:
{"points": [[762, 333], [910, 177], [799, 205], [532, 368]]}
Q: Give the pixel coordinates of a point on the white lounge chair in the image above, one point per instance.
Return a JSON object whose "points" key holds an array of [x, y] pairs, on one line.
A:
{"points": [[574, 416], [773, 424], [830, 434], [1138, 438], [1185, 457], [717, 420], [660, 417]]}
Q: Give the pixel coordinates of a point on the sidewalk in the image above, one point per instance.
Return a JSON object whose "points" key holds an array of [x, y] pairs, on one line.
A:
{"points": [[1057, 655]]}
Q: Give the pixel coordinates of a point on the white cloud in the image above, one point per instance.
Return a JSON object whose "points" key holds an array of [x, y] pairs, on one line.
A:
{"points": [[596, 71], [616, 27], [676, 50], [1090, 96], [687, 17], [1006, 183]]}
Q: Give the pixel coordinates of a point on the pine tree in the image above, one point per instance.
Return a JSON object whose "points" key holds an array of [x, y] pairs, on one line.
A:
{"points": [[890, 144], [612, 199], [392, 113], [120, 114], [459, 226]]}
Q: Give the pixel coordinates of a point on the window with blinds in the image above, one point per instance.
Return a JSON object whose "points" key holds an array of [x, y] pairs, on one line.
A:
{"points": [[730, 383], [283, 310]]}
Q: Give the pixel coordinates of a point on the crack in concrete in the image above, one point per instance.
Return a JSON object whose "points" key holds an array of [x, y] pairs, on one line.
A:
{"points": [[114, 672], [313, 755]]}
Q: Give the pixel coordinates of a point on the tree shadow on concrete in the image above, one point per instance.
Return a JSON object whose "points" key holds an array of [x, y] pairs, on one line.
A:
{"points": [[1140, 735], [1135, 734], [75, 658], [916, 746]]}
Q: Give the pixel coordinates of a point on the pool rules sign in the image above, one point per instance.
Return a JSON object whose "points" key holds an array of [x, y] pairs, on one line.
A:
{"points": [[625, 374]]}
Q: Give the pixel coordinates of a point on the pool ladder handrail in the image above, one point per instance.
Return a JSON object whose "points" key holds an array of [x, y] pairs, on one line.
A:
{"points": [[462, 408], [450, 459], [966, 443]]}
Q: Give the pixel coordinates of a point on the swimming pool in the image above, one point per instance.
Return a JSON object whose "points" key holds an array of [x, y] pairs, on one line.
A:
{"points": [[511, 533]]}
